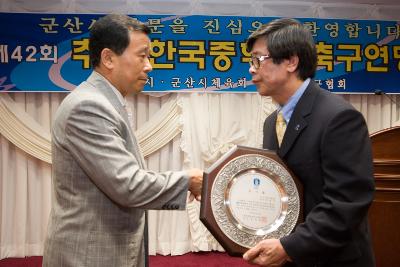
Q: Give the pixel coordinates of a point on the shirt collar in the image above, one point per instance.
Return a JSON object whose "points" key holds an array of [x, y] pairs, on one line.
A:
{"points": [[121, 99], [287, 109]]}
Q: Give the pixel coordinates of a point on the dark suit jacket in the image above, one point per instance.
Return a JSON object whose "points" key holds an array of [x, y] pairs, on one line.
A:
{"points": [[327, 146]]}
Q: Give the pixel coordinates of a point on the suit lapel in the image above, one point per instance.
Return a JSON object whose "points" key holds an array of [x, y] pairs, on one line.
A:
{"points": [[298, 121], [106, 90], [270, 140], [296, 125]]}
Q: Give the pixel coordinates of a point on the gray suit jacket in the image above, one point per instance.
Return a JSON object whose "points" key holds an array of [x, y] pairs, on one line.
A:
{"points": [[100, 184]]}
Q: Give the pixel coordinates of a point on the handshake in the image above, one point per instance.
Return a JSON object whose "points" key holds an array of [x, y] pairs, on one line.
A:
{"points": [[195, 183]]}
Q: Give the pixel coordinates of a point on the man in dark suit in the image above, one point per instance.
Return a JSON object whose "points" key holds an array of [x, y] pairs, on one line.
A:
{"points": [[326, 144]]}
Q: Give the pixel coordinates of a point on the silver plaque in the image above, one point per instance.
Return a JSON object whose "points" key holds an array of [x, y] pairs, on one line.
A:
{"points": [[253, 196]]}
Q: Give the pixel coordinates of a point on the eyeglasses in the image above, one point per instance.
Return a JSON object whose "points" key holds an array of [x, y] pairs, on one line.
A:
{"points": [[255, 61]]}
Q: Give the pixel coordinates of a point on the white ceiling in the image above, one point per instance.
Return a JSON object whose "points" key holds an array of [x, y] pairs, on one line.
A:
{"points": [[380, 2]]}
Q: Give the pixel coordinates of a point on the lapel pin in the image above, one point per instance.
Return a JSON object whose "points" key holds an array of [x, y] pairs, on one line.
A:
{"points": [[297, 127]]}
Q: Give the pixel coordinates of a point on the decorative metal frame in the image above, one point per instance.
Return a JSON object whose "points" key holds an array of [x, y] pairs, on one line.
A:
{"points": [[215, 210]]}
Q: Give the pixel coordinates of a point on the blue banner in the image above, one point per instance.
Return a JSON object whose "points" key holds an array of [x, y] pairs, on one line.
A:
{"points": [[49, 53]]}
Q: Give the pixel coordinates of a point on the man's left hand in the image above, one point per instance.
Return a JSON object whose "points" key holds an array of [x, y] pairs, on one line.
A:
{"points": [[268, 252]]}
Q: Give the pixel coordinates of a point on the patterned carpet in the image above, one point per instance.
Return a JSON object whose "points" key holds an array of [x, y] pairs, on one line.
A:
{"points": [[199, 259]]}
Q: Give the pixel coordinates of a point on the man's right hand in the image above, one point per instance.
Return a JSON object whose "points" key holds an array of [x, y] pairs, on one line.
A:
{"points": [[195, 183]]}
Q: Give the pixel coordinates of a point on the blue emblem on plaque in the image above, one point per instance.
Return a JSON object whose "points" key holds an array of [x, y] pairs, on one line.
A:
{"points": [[256, 182]]}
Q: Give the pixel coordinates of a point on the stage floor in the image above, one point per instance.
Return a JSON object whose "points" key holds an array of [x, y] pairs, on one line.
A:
{"points": [[198, 259]]}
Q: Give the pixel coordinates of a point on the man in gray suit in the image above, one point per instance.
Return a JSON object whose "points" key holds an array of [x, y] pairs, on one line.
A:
{"points": [[100, 184]]}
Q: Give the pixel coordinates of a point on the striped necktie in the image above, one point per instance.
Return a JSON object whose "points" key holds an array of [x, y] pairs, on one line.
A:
{"points": [[280, 127]]}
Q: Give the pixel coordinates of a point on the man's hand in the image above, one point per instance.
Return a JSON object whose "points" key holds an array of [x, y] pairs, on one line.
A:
{"points": [[195, 183], [268, 252]]}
